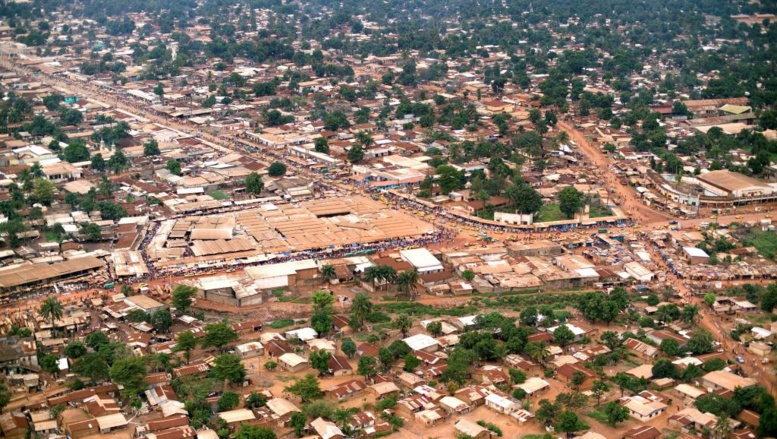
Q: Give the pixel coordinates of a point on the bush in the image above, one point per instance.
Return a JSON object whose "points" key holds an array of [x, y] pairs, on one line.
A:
{"points": [[491, 427], [282, 323]]}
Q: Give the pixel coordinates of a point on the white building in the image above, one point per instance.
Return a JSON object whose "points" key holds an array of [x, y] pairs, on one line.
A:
{"points": [[422, 259]]}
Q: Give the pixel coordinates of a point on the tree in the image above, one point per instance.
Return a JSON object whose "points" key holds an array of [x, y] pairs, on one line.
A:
{"points": [[355, 154], [92, 366], [298, 423], [50, 363], [690, 314], [599, 388], [228, 401], [162, 321], [319, 360], [367, 366], [228, 367], [701, 342], [403, 323], [767, 426], [709, 299], [130, 373], [322, 322], [664, 368], [98, 162], [615, 413], [182, 297], [174, 166], [611, 339], [51, 310], [44, 191], [569, 423], [276, 169], [769, 298], [547, 411], [434, 328], [321, 145], [406, 281], [91, 232], [271, 365], [577, 380], [537, 351], [411, 362], [468, 275], [517, 376], [75, 349], [524, 198], [306, 388], [570, 201], [348, 347], [361, 307], [159, 89], [76, 152], [186, 341], [652, 299], [118, 162], [254, 183], [328, 271], [218, 335], [151, 148], [209, 102], [670, 347], [255, 432], [529, 316], [255, 400], [563, 336], [449, 178]]}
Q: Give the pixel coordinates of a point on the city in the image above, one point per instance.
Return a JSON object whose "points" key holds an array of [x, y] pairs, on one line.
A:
{"points": [[252, 219]]}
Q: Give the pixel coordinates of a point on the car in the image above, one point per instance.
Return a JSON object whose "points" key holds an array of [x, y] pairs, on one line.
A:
{"points": [[740, 360], [673, 222]]}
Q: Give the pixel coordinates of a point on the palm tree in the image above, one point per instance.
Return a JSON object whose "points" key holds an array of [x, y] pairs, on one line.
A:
{"points": [[403, 323], [51, 310], [538, 352], [328, 272], [360, 309], [342, 416], [387, 274], [372, 274], [690, 314], [721, 429], [561, 137], [406, 281], [364, 139]]}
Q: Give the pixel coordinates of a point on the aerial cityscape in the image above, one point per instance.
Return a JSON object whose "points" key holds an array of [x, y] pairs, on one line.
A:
{"points": [[420, 219]]}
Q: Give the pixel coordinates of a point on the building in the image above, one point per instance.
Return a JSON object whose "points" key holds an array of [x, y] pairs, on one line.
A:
{"points": [[471, 429], [695, 255], [282, 409], [422, 259], [642, 408], [144, 303], [14, 425], [346, 390], [534, 385], [284, 275], [642, 432], [568, 371], [234, 418], [502, 404], [720, 379], [250, 350], [326, 429], [725, 183], [422, 342], [293, 362], [643, 350], [385, 389]]}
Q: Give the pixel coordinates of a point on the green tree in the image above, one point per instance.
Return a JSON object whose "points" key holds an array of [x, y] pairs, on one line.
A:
{"points": [[319, 360], [75, 349], [228, 367], [321, 145], [563, 336], [182, 297], [228, 401], [306, 388], [348, 347], [411, 362], [151, 148], [664, 368], [50, 363], [117, 162], [403, 323], [547, 412], [434, 328], [255, 400], [209, 102], [449, 178], [159, 89], [174, 166], [130, 373], [276, 169], [670, 347], [75, 152], [44, 191], [298, 422], [701, 342], [361, 307], [615, 413], [570, 201], [367, 366], [254, 183], [51, 310], [709, 299], [186, 342], [328, 271], [407, 280], [599, 388], [162, 321], [355, 154], [524, 199], [569, 423], [5, 395], [92, 366], [218, 335], [255, 432]]}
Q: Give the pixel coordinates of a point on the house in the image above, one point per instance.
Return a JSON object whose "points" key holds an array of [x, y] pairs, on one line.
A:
{"points": [[409, 380], [14, 425], [473, 395], [658, 336], [321, 344], [577, 331], [408, 407], [339, 366], [642, 432], [367, 349], [642, 371], [184, 432], [292, 362], [692, 419], [346, 390], [502, 403], [326, 429], [432, 416], [303, 334], [642, 408], [77, 423], [533, 385], [453, 405], [144, 303], [385, 389], [422, 342], [111, 422], [247, 327], [643, 350], [197, 369], [720, 379], [491, 375], [250, 350], [470, 429], [277, 347], [234, 418], [520, 363], [567, 373], [282, 409]]}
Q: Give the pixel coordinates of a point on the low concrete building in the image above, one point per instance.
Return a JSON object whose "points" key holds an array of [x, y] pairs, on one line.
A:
{"points": [[293, 362]]}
